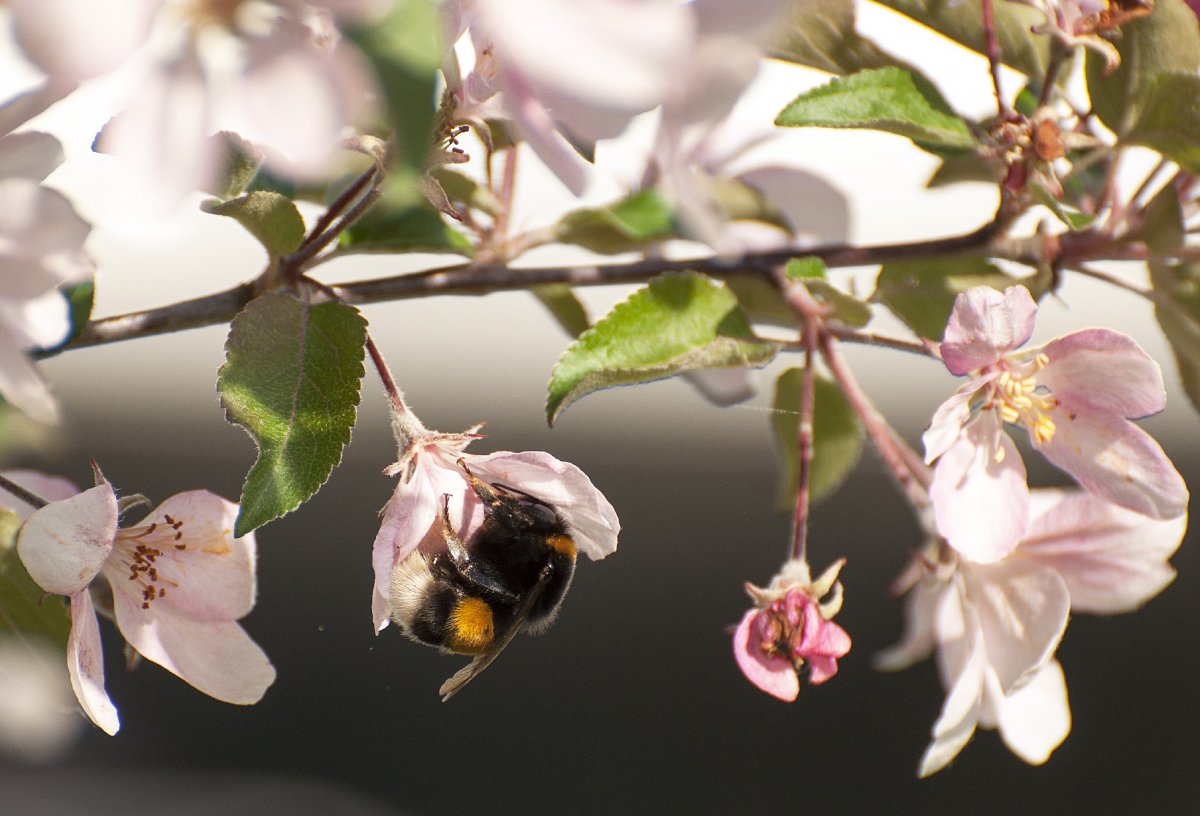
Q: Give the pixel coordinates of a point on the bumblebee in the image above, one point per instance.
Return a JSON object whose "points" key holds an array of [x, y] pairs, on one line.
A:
{"points": [[476, 596]]}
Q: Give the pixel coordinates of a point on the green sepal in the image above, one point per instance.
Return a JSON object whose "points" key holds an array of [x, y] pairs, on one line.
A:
{"points": [[291, 379], [678, 322]]}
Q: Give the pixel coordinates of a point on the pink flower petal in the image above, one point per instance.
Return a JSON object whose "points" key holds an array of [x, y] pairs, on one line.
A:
{"points": [[1118, 461], [986, 324], [1103, 372], [209, 574], [1022, 613], [820, 668], [774, 675], [218, 658], [64, 543], [85, 664], [1112, 560], [981, 505], [593, 521], [409, 514], [1036, 718]]}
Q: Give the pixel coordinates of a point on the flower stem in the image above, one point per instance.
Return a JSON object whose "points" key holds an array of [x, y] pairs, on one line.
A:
{"points": [[32, 499], [395, 395], [804, 443], [992, 48]]}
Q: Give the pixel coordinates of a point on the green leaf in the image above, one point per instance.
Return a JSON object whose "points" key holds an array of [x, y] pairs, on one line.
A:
{"points": [[270, 217], [1162, 226], [886, 99], [628, 225], [677, 323], [561, 302], [1170, 120], [963, 23], [837, 435], [239, 161], [1177, 308], [25, 609], [821, 35], [921, 293], [291, 379], [1165, 42], [761, 301], [960, 166], [807, 268], [392, 227], [404, 49]]}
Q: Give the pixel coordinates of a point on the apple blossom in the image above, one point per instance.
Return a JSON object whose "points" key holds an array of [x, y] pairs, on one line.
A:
{"points": [[41, 248], [274, 73], [176, 584], [430, 479], [1074, 396], [996, 626], [566, 70], [790, 629]]}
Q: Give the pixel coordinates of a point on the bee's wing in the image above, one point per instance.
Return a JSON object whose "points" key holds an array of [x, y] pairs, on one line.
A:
{"points": [[469, 672]]}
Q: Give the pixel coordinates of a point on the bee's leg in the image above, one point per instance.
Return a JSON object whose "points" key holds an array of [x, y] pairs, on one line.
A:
{"points": [[458, 553], [462, 559]]}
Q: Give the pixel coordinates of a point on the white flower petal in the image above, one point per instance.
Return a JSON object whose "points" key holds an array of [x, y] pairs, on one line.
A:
{"points": [[918, 639], [29, 155], [64, 543], [20, 383], [85, 664], [1022, 612], [962, 661], [217, 657], [79, 39], [1036, 718]]}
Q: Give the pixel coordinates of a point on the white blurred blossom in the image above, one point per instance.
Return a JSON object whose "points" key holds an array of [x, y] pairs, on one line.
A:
{"points": [[41, 249], [274, 73]]}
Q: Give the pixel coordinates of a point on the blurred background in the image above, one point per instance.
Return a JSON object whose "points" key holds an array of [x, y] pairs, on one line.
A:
{"points": [[632, 701]]}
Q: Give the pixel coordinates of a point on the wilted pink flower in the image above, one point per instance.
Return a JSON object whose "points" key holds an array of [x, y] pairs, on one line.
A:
{"points": [[176, 584], [429, 473], [1073, 395], [41, 248], [790, 630], [274, 73], [996, 626]]}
